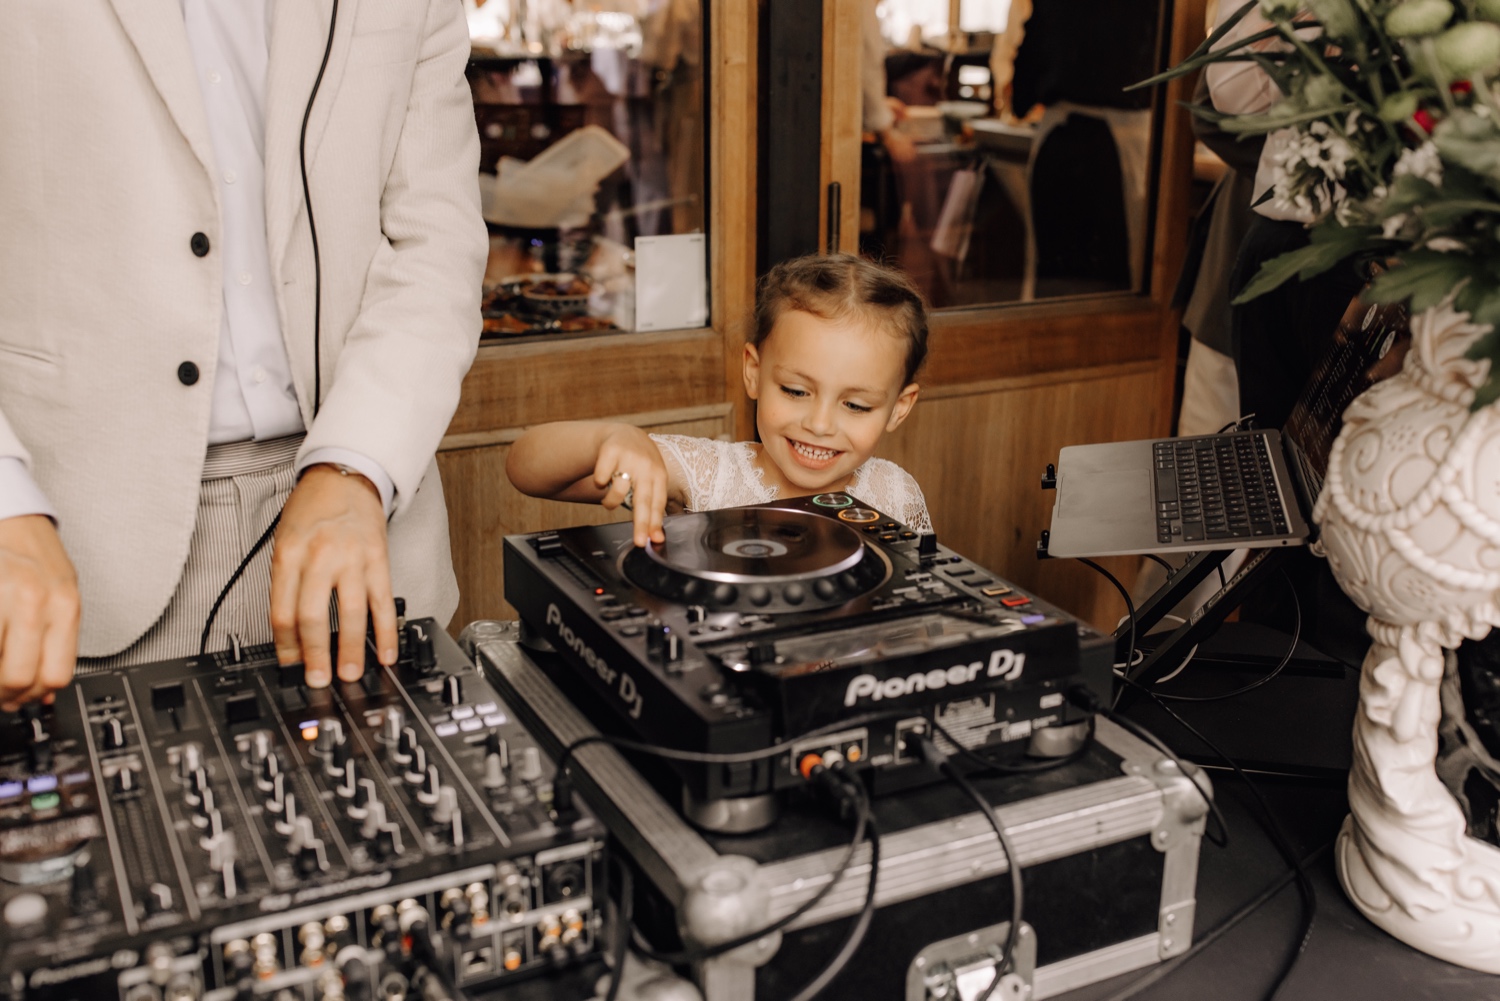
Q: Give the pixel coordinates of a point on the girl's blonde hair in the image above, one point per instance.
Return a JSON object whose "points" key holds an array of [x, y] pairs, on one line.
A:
{"points": [[843, 286]]}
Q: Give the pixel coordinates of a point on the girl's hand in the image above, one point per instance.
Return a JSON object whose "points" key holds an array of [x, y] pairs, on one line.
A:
{"points": [[630, 466]]}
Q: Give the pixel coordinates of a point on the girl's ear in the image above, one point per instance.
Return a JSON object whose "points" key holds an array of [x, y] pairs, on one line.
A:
{"points": [[751, 370], [904, 403]]}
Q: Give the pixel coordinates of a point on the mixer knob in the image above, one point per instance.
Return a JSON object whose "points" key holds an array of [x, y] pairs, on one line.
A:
{"points": [[391, 726], [365, 793], [696, 614], [289, 815], [494, 771], [39, 748], [114, 734], [260, 746], [125, 782], [388, 841], [213, 828], [671, 650], [306, 848], [530, 767], [374, 819], [348, 783], [270, 767], [427, 792], [197, 784], [406, 746], [416, 769], [419, 643], [444, 806], [340, 756], [229, 878], [158, 898], [189, 759], [205, 808], [330, 734], [453, 690], [276, 801]]}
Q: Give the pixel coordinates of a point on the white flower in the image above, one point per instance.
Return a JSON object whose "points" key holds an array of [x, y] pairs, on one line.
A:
{"points": [[1392, 226], [1447, 245], [1422, 162]]}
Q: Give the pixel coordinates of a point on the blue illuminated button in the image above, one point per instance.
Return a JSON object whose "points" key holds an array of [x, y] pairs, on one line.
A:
{"points": [[46, 801], [75, 778], [41, 783], [10, 790], [1031, 620]]}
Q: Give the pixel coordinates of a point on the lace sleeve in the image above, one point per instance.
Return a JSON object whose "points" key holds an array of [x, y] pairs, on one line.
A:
{"points": [[891, 489], [694, 462]]}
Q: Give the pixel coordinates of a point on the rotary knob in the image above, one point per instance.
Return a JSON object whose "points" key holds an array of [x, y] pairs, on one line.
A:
{"points": [[416, 768], [289, 815], [348, 781], [197, 786], [419, 643], [453, 690], [430, 787], [392, 725], [365, 793], [338, 756], [405, 747], [276, 801], [189, 759], [270, 768], [330, 735], [696, 614], [529, 769]]}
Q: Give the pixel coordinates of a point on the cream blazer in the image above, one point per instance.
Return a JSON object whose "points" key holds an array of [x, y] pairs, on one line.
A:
{"points": [[106, 174]]}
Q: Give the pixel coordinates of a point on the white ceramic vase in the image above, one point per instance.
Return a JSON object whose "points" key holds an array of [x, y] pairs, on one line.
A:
{"points": [[1410, 519]]}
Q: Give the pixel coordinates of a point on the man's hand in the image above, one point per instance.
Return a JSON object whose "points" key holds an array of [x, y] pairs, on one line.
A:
{"points": [[331, 538], [38, 611]]}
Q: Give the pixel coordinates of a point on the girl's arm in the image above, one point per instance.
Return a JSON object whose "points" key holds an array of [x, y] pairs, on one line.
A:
{"points": [[596, 461]]}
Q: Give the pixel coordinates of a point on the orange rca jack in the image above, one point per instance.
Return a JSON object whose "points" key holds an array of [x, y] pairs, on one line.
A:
{"points": [[852, 754], [807, 764]]}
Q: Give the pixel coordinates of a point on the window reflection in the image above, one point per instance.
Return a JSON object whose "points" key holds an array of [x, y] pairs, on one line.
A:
{"points": [[590, 118], [1009, 163]]}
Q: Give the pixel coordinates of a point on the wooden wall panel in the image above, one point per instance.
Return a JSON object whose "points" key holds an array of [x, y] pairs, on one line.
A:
{"points": [[979, 454], [483, 508]]}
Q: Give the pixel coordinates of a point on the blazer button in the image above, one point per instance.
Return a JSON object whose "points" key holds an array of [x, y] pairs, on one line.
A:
{"points": [[187, 373], [199, 243]]}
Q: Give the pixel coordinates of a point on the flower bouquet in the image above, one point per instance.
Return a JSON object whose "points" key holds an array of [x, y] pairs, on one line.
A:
{"points": [[1389, 139]]}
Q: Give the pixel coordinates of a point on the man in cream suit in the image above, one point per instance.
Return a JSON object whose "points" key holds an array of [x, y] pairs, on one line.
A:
{"points": [[160, 398]]}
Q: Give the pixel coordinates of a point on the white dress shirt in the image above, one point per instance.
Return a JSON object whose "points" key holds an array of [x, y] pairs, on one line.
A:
{"points": [[253, 396]]}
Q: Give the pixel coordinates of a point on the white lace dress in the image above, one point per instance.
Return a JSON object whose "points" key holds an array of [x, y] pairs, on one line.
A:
{"points": [[719, 474]]}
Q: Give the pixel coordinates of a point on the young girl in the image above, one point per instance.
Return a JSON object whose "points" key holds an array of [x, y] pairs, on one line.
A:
{"points": [[831, 365]]}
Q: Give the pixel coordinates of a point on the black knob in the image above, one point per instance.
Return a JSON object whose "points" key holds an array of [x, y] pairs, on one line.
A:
{"points": [[388, 843], [794, 594], [416, 769], [269, 769], [400, 608], [348, 781], [427, 791], [406, 745], [83, 892], [339, 756], [419, 643], [759, 594], [823, 588], [453, 690], [723, 594], [849, 582], [927, 544], [364, 792], [763, 653], [114, 734], [197, 785]]}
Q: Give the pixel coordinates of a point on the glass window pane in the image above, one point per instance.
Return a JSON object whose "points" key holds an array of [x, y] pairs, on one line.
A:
{"points": [[1018, 167], [592, 134]]}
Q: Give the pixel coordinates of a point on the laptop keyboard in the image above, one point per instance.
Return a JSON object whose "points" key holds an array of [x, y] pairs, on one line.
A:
{"points": [[1216, 488]]}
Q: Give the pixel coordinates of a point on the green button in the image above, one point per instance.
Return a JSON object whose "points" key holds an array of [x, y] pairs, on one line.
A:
{"points": [[45, 801]]}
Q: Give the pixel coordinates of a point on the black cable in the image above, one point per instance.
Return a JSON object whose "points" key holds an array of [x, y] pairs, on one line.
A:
{"points": [[312, 226], [333, 20], [862, 822], [1267, 679], [623, 918], [944, 764], [1129, 611], [234, 579], [1266, 818], [856, 936], [1157, 559]]}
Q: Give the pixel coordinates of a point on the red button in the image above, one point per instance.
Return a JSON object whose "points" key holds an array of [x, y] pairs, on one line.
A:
{"points": [[1015, 602]]}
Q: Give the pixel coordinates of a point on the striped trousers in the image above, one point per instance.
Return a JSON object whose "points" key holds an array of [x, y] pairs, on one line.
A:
{"points": [[244, 485]]}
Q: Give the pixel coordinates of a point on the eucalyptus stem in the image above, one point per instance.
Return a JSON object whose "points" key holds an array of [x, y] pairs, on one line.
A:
{"points": [[1435, 68]]}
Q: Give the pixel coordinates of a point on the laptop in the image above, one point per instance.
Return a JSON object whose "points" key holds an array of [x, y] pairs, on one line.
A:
{"points": [[1234, 490]]}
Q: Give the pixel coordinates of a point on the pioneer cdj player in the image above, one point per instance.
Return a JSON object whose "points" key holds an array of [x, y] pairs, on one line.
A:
{"points": [[212, 828], [750, 626]]}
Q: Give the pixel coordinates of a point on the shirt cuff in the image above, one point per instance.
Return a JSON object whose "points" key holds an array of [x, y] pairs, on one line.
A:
{"points": [[362, 464], [19, 494]]}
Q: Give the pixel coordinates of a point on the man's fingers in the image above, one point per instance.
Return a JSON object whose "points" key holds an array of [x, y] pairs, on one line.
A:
{"points": [[312, 625], [59, 648], [353, 607], [286, 584], [382, 611]]}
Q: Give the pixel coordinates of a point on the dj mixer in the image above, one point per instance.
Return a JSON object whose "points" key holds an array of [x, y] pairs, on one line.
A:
{"points": [[211, 827]]}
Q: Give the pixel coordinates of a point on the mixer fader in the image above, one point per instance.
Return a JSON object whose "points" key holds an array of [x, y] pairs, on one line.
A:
{"points": [[212, 827]]}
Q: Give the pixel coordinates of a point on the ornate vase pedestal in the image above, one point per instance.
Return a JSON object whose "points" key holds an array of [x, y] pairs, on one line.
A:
{"points": [[1410, 520]]}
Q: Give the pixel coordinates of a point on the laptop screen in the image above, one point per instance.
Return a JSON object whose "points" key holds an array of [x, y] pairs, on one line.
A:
{"points": [[1369, 346]]}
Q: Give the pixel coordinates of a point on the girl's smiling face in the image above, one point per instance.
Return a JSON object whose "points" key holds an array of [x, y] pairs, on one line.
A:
{"points": [[826, 391]]}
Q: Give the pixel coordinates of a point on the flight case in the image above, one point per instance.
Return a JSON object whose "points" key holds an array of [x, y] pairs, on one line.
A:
{"points": [[1108, 846]]}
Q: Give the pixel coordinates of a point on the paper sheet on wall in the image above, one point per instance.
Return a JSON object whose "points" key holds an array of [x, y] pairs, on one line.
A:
{"points": [[671, 281]]}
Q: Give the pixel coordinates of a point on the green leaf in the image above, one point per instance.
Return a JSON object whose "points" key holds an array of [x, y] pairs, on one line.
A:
{"points": [[1423, 277], [1330, 244], [1470, 141], [1201, 57]]}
